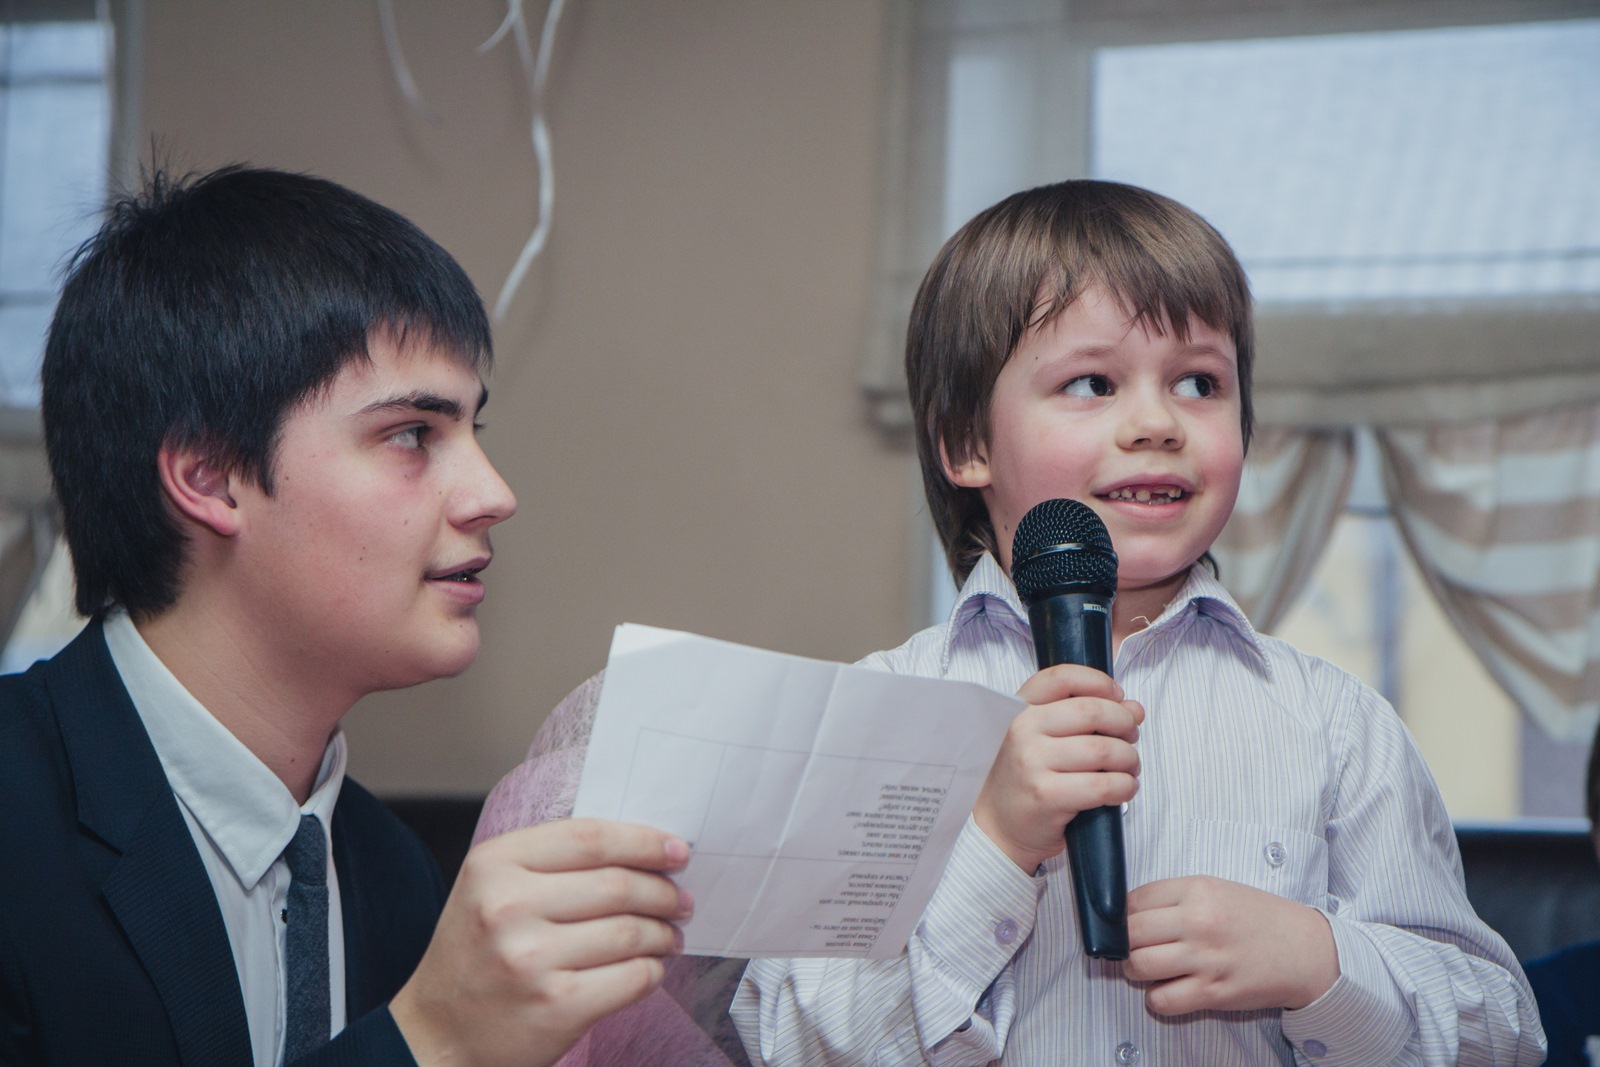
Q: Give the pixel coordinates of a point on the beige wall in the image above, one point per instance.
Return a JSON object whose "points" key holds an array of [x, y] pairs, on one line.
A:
{"points": [[675, 402]]}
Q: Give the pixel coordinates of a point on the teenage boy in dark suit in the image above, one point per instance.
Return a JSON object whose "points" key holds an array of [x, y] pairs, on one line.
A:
{"points": [[260, 395]]}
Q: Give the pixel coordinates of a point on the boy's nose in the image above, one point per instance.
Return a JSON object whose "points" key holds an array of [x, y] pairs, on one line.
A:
{"points": [[1150, 422], [484, 498]]}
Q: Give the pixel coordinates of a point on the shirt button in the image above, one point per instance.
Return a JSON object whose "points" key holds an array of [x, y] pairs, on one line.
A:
{"points": [[1275, 854], [1005, 931], [922, 929], [1314, 1048], [1127, 1054]]}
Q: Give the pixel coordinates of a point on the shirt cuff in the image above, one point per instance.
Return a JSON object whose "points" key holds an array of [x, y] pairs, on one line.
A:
{"points": [[980, 914], [1362, 1018]]}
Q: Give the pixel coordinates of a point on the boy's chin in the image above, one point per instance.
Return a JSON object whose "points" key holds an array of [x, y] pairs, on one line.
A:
{"points": [[446, 656], [1160, 579], [456, 657]]}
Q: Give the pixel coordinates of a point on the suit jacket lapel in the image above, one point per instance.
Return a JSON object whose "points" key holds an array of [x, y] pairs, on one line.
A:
{"points": [[158, 888], [359, 995]]}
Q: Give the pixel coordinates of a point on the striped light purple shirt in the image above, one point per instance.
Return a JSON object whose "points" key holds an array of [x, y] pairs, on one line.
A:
{"points": [[1261, 765]]}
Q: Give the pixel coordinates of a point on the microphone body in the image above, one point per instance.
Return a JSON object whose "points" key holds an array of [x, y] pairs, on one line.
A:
{"points": [[1065, 572]]}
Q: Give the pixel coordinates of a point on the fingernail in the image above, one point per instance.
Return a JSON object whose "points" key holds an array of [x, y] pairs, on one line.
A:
{"points": [[677, 850], [677, 941], [685, 903]]}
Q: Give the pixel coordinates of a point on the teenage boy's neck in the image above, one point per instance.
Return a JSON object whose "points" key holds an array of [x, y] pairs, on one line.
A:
{"points": [[276, 711]]}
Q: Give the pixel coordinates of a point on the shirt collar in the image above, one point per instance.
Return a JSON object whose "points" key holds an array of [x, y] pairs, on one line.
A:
{"points": [[243, 808], [988, 592], [1202, 593]]}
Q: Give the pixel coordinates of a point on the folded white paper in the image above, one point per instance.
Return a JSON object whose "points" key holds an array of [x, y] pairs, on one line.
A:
{"points": [[821, 800]]}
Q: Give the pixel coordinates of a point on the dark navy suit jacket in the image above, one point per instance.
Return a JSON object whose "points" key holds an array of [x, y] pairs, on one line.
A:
{"points": [[112, 947], [1567, 985]]}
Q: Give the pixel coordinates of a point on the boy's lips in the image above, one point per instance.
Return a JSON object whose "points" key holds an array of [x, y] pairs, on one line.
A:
{"points": [[460, 580], [457, 572]]}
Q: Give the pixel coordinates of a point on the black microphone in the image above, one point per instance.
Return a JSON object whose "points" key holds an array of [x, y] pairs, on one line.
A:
{"points": [[1066, 572]]}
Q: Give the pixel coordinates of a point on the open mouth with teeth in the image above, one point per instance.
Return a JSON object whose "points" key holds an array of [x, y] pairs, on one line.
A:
{"points": [[1160, 494]]}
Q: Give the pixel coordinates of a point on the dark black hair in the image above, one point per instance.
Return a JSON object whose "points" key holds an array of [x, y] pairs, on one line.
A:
{"points": [[1592, 791], [201, 313]]}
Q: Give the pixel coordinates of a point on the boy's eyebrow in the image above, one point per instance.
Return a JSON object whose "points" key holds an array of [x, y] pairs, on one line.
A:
{"points": [[422, 400], [1206, 348], [1092, 349]]}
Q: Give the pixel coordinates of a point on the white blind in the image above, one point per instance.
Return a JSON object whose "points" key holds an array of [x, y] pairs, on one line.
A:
{"points": [[1461, 162], [1417, 201]]}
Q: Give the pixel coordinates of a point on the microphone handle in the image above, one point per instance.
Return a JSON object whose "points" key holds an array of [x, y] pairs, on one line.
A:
{"points": [[1075, 627]]}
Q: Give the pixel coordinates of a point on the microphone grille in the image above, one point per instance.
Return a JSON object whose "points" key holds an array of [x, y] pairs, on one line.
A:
{"points": [[1062, 542]]}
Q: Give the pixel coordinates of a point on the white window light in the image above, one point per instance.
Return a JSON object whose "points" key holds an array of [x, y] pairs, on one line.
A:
{"points": [[55, 135]]}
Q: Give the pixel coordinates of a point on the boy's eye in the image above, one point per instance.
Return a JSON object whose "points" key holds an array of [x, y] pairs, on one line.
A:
{"points": [[1088, 385], [1196, 386], [410, 437]]}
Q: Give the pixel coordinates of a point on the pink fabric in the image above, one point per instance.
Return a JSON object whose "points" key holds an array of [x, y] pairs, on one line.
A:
{"points": [[684, 1023]]}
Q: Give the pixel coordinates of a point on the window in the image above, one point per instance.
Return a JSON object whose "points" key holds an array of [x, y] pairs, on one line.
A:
{"points": [[1452, 162], [55, 145], [55, 136], [1429, 166], [1414, 186]]}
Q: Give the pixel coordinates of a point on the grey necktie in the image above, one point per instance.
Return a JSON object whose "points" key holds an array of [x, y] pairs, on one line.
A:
{"points": [[307, 940]]}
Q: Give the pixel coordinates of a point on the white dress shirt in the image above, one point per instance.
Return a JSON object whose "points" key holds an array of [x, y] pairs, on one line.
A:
{"points": [[241, 816], [1261, 765]]}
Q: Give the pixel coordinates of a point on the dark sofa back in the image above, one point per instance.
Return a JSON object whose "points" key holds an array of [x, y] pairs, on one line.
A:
{"points": [[1539, 887]]}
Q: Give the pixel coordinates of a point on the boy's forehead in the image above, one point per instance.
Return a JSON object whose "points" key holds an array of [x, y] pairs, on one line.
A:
{"points": [[1099, 304], [409, 368]]}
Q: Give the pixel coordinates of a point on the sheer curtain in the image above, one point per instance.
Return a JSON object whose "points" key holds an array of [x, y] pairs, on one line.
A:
{"points": [[1503, 519], [1294, 487]]}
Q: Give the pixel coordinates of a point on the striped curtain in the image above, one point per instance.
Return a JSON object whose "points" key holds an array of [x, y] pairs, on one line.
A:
{"points": [[1503, 518], [1294, 487]]}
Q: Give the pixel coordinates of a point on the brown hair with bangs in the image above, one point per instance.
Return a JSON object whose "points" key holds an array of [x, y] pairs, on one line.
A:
{"points": [[1015, 267]]}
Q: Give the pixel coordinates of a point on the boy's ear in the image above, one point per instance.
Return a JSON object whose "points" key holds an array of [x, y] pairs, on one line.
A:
{"points": [[971, 473], [199, 487]]}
